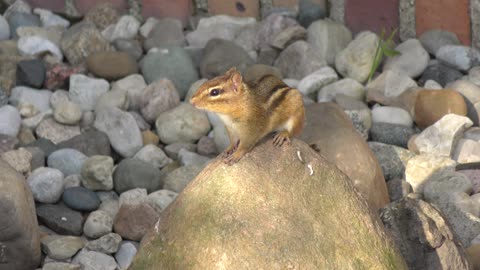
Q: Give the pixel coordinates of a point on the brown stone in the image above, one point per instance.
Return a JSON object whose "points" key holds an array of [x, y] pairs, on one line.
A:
{"points": [[277, 208], [19, 234], [238, 8], [150, 137], [373, 15], [133, 220], [112, 65], [431, 105], [453, 16], [329, 131]]}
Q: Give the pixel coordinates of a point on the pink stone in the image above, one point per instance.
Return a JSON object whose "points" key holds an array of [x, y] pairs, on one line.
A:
{"points": [[58, 75]]}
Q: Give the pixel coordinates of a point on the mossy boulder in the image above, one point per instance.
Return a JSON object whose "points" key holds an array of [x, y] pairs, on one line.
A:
{"points": [[278, 208]]}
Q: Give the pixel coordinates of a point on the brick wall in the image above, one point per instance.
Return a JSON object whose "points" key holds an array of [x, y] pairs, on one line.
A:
{"points": [[410, 17]]}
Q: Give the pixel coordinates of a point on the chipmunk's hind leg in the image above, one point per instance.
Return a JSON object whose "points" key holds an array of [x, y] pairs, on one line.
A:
{"points": [[292, 127]]}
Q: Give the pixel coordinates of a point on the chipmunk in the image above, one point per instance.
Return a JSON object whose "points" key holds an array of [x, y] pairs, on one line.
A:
{"points": [[251, 110]]}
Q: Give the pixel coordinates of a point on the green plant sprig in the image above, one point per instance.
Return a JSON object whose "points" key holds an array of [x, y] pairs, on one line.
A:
{"points": [[384, 48]]}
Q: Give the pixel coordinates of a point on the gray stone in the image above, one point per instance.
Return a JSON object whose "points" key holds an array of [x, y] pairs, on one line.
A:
{"points": [[270, 27], [86, 91], [130, 46], [183, 123], [392, 159], [90, 143], [113, 98], [98, 224], [299, 60], [206, 146], [141, 123], [158, 97], [18, 19], [25, 95], [391, 83], [48, 18], [172, 149], [60, 266], [46, 184], [220, 55], [153, 155], [58, 97], [68, 161], [412, 60], [433, 40], [467, 151], [310, 11], [74, 180], [458, 56], [126, 253], [173, 63], [440, 73], [166, 32], [31, 73], [398, 188], [10, 120], [313, 82], [328, 38], [147, 26], [81, 199], [60, 248], [97, 173], [108, 244], [134, 86], [60, 219], [133, 197], [391, 134], [92, 260], [219, 26], [134, 173], [7, 143], [121, 129], [356, 60], [187, 158]]}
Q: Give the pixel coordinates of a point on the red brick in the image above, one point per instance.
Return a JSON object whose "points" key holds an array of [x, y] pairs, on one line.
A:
{"points": [[293, 4], [451, 15], [53, 5], [83, 6], [239, 8], [180, 9], [373, 15]]}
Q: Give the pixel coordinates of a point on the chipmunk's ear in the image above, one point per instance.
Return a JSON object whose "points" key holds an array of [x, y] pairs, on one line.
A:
{"points": [[231, 71], [237, 80]]}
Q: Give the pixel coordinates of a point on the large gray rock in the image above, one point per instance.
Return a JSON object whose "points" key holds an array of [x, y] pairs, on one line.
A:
{"points": [[328, 38], [356, 60], [19, 237], [458, 56], [173, 63], [68, 161], [298, 60], [220, 55], [121, 129], [40, 99], [183, 123]]}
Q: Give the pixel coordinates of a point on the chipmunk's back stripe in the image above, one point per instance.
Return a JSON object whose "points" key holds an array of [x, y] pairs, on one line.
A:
{"points": [[278, 97]]}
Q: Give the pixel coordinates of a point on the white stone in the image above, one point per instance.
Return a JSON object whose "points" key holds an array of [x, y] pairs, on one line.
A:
{"points": [[467, 151], [392, 115], [412, 60], [126, 28], [48, 18], [33, 45], [26, 95], [440, 138], [391, 83], [10, 120], [147, 26], [458, 56], [420, 168], [348, 87]]}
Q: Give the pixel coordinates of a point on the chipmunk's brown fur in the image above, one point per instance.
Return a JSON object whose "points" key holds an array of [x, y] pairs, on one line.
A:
{"points": [[251, 110]]}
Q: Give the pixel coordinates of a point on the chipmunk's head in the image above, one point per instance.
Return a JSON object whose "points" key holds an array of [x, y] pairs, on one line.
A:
{"points": [[218, 92]]}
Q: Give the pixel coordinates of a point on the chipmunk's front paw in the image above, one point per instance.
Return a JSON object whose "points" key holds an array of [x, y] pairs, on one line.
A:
{"points": [[230, 150], [234, 158], [280, 138]]}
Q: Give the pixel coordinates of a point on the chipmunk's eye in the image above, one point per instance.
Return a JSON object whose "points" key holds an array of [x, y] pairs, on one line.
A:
{"points": [[215, 92]]}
